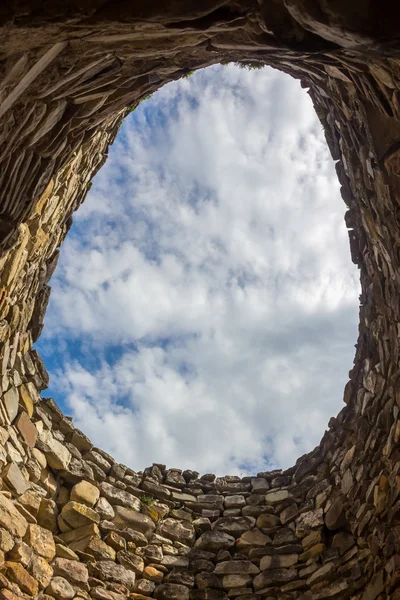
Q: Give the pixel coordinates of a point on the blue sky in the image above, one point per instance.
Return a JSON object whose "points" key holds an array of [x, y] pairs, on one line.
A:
{"points": [[204, 310]]}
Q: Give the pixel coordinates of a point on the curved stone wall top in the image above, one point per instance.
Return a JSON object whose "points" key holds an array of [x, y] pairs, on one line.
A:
{"points": [[73, 524]]}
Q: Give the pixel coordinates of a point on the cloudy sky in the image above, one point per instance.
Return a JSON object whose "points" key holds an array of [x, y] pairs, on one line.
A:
{"points": [[204, 310]]}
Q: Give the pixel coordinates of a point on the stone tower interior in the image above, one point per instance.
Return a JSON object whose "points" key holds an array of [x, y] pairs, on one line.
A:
{"points": [[73, 522]]}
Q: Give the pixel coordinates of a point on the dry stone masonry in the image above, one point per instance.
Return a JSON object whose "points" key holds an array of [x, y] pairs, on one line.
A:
{"points": [[74, 524]]}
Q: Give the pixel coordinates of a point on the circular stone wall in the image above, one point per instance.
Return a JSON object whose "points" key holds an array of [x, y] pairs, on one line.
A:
{"points": [[73, 523]]}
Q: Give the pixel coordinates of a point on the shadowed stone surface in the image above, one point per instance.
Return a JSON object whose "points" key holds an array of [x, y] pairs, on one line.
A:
{"points": [[329, 527]]}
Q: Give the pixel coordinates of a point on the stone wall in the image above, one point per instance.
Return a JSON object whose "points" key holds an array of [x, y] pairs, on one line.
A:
{"points": [[73, 523]]}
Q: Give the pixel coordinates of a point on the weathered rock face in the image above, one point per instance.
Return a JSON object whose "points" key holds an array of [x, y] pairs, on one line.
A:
{"points": [[73, 523]]}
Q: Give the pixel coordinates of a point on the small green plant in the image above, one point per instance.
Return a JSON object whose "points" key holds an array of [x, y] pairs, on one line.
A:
{"points": [[250, 65], [188, 74], [147, 500], [134, 107], [198, 528]]}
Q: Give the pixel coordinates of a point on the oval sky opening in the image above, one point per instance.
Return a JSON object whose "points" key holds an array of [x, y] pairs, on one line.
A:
{"points": [[205, 308]]}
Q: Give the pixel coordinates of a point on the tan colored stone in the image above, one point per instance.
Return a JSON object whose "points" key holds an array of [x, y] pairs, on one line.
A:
{"points": [[313, 538], [39, 457], [289, 514], [62, 496], [251, 538], [85, 493], [267, 521], [63, 525], [335, 517], [49, 481], [73, 571], [20, 553], [325, 573], [80, 533], [81, 441], [6, 540], [66, 552], [153, 574], [332, 591], [10, 402], [31, 500], [78, 515], [27, 429], [21, 577], [116, 541], [95, 547], [41, 540], [57, 455], [14, 479], [131, 562], [235, 581], [24, 512], [47, 515], [10, 518], [312, 552], [41, 571], [26, 399]]}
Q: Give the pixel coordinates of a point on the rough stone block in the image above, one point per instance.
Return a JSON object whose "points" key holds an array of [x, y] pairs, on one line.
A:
{"points": [[11, 519]]}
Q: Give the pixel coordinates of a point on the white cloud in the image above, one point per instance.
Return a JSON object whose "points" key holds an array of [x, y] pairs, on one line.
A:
{"points": [[211, 262]]}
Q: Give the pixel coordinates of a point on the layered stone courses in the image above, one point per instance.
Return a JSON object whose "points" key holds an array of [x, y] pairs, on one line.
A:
{"points": [[75, 524]]}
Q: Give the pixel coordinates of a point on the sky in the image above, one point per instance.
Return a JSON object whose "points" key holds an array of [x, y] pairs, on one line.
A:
{"points": [[204, 310]]}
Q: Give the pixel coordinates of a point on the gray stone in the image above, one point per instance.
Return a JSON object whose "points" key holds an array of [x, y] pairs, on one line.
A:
{"points": [[118, 497], [277, 496], [273, 577], [104, 509], [214, 541], [125, 517], [230, 567], [107, 570], [171, 591], [178, 531], [60, 589]]}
